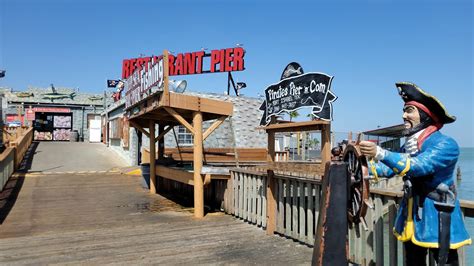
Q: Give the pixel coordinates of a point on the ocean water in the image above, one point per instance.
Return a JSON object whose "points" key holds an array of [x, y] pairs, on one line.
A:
{"points": [[465, 188]]}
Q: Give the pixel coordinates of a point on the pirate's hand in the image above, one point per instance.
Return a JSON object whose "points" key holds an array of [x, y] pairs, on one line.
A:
{"points": [[368, 148]]}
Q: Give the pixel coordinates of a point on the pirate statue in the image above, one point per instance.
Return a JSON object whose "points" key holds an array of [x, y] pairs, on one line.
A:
{"points": [[429, 216]]}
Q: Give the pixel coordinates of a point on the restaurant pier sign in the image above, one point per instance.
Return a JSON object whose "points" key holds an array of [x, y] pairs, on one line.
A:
{"points": [[298, 90], [145, 76]]}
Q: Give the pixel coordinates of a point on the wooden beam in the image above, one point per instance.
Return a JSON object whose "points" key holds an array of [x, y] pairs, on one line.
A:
{"points": [[179, 175], [197, 162], [141, 129], [326, 144], [205, 105], [180, 119], [186, 177], [297, 126], [162, 133], [271, 186], [207, 179], [166, 90], [216, 106], [161, 141], [153, 114], [152, 158], [213, 127]]}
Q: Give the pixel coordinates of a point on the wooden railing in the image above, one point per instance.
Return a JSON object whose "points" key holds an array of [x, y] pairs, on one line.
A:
{"points": [[11, 134], [7, 166], [282, 156], [297, 204], [21, 145], [246, 197], [12, 156]]}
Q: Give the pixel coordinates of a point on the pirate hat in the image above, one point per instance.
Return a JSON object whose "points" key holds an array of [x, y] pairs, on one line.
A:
{"points": [[412, 93]]}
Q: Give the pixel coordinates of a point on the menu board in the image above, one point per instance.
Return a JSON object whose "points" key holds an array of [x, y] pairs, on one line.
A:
{"points": [[61, 121], [43, 135], [61, 134]]}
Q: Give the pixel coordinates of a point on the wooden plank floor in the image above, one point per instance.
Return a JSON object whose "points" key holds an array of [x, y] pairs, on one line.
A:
{"points": [[109, 218]]}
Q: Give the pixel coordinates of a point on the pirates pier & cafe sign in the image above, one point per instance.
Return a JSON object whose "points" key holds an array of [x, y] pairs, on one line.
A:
{"points": [[296, 90], [145, 76]]}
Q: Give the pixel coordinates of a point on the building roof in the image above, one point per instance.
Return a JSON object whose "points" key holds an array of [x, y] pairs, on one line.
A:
{"points": [[36, 95], [244, 121], [391, 131], [114, 105]]}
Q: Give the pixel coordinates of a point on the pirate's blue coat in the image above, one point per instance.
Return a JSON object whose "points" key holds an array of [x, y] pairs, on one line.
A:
{"points": [[436, 159]]}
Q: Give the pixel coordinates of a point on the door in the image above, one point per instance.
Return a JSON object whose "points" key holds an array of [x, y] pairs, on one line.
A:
{"points": [[94, 130]]}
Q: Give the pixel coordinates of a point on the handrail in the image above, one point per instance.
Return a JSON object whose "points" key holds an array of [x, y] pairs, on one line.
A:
{"points": [[12, 156], [297, 210], [7, 165], [22, 144]]}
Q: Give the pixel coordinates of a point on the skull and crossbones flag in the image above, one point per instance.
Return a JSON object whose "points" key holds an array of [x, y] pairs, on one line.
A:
{"points": [[111, 83]]}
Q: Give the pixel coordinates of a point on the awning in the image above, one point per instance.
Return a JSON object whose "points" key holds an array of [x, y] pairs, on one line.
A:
{"points": [[391, 131]]}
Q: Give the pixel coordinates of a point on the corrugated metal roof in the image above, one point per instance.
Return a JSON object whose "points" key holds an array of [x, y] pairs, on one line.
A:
{"points": [[391, 131], [46, 95]]}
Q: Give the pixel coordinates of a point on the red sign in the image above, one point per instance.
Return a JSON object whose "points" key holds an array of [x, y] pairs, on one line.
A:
{"points": [[30, 114], [51, 110], [13, 118], [224, 60]]}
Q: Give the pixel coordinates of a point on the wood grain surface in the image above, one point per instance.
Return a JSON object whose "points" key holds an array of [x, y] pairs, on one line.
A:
{"points": [[110, 218]]}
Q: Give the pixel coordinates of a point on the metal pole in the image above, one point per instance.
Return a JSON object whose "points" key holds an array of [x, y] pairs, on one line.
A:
{"points": [[2, 147], [82, 124]]}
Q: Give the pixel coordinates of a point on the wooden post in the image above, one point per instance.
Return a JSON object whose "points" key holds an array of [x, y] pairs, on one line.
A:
{"points": [[161, 142], [330, 246], [152, 157], [392, 241], [378, 231], [197, 160], [166, 90], [19, 117], [271, 193], [325, 144]]}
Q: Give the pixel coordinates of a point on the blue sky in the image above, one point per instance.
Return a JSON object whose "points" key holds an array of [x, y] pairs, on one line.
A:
{"points": [[366, 45]]}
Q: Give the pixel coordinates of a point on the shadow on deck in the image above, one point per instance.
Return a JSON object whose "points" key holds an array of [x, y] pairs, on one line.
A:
{"points": [[96, 219], [9, 194]]}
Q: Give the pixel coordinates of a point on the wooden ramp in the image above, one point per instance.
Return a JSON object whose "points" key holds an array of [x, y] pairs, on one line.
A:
{"points": [[109, 218]]}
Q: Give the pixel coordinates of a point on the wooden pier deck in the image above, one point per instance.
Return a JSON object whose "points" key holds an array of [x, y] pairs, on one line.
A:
{"points": [[108, 218]]}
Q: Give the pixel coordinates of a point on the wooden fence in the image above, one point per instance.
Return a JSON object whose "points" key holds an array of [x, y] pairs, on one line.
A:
{"points": [[10, 159], [21, 145], [282, 156], [7, 166], [11, 134], [297, 211]]}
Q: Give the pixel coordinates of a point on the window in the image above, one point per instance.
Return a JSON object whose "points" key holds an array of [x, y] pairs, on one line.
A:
{"points": [[115, 128], [184, 136]]}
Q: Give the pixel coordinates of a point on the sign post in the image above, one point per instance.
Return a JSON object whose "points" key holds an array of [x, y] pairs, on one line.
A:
{"points": [[294, 91]]}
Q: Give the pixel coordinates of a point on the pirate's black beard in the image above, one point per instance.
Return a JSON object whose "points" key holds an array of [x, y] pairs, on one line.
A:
{"points": [[425, 121]]}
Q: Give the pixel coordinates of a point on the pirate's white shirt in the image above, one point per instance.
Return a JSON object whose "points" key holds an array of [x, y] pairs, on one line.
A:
{"points": [[411, 146]]}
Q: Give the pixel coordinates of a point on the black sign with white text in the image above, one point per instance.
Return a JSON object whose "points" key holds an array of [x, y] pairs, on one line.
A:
{"points": [[305, 90]]}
